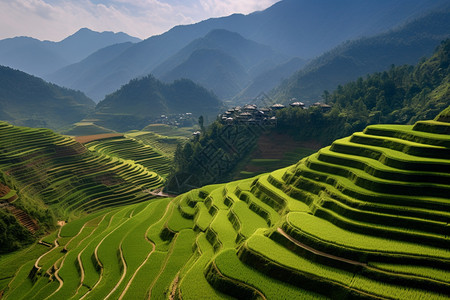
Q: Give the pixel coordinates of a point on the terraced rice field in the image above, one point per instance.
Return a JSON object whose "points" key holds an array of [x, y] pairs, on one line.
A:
{"points": [[58, 172], [131, 150], [366, 217]]}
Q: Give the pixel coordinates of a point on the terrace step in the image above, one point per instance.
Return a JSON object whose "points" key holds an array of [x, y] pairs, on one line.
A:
{"points": [[432, 127], [400, 145], [366, 180], [408, 133], [391, 157]]}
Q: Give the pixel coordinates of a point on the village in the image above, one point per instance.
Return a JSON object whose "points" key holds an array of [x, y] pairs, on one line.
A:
{"points": [[251, 114]]}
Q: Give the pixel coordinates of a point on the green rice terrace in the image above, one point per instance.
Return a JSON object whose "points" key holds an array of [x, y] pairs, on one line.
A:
{"points": [[55, 176], [367, 217]]}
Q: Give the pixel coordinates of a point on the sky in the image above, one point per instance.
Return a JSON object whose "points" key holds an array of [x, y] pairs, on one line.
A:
{"points": [[56, 19]]}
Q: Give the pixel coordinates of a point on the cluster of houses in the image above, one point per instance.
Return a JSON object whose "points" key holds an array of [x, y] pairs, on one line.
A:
{"points": [[251, 114], [179, 120]]}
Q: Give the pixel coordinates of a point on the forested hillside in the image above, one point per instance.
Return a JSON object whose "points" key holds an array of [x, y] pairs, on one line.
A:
{"points": [[404, 45], [30, 101], [144, 100]]}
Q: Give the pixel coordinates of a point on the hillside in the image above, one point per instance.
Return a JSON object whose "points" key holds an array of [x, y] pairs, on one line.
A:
{"points": [[292, 27], [404, 45], [44, 57], [30, 101], [364, 218], [144, 100], [52, 177]]}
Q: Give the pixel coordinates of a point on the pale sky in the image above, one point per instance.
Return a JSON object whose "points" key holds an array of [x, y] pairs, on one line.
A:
{"points": [[56, 19]]}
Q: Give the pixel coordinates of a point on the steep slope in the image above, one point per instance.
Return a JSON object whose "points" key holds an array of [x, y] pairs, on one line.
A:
{"points": [[30, 101], [404, 45], [43, 57], [365, 218], [295, 28], [146, 99]]}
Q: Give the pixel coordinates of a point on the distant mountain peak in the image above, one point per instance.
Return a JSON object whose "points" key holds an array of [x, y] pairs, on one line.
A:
{"points": [[89, 33]]}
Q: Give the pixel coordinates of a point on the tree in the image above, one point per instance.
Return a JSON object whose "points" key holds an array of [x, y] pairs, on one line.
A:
{"points": [[200, 123]]}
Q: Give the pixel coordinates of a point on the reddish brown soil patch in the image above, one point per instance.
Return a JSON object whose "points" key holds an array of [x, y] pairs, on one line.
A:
{"points": [[4, 190], [23, 218], [89, 138], [109, 179]]}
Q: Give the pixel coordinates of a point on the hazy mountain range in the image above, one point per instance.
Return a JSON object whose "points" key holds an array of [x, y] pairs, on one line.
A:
{"points": [[293, 28], [43, 57], [404, 45]]}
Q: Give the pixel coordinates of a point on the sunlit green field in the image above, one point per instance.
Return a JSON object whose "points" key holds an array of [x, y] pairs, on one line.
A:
{"points": [[366, 217]]}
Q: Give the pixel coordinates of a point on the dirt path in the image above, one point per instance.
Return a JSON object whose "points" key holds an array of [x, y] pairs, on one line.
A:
{"points": [[174, 287]]}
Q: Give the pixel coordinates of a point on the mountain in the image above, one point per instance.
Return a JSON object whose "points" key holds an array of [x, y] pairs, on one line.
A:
{"points": [[214, 70], [222, 61], [43, 57], [30, 101], [85, 42], [404, 45], [143, 100], [292, 27], [249, 53]]}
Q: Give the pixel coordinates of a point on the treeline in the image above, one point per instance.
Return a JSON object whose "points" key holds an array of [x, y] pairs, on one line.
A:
{"points": [[401, 95]]}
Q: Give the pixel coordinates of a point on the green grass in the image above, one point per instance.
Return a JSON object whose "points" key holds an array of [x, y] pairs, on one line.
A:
{"points": [[366, 217]]}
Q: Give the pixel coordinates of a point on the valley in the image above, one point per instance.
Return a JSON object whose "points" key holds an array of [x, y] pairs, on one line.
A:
{"points": [[297, 152]]}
